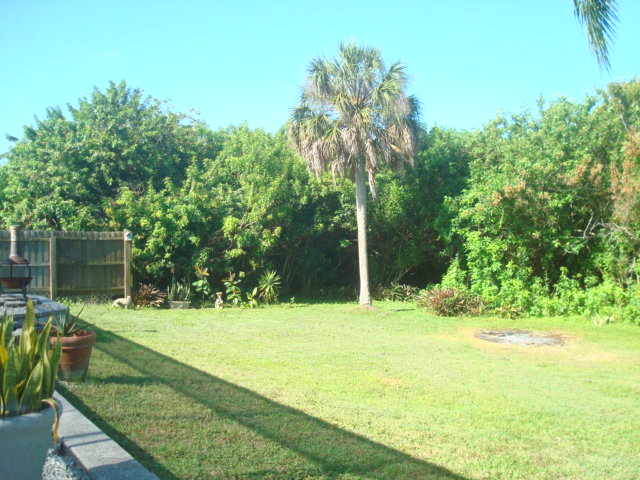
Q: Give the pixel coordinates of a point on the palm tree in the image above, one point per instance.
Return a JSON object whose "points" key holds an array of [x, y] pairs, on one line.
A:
{"points": [[353, 116], [599, 18]]}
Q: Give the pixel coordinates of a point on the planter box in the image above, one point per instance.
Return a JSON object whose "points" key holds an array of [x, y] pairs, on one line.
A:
{"points": [[178, 305]]}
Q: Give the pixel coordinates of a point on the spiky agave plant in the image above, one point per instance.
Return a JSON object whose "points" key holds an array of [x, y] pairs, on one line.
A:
{"points": [[65, 324], [28, 368]]}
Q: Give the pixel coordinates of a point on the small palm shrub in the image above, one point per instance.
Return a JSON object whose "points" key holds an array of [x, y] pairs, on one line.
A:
{"points": [[450, 302], [149, 296], [269, 286]]}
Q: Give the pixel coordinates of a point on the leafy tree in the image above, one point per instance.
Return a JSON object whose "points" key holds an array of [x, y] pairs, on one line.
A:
{"points": [[354, 116], [409, 225], [244, 210], [550, 204], [66, 167]]}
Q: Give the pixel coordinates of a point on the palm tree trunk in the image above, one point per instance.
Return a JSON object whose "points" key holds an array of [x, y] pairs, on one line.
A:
{"points": [[361, 218]]}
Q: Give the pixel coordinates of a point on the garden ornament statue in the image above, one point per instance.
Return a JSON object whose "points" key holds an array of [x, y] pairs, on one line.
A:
{"points": [[219, 302]]}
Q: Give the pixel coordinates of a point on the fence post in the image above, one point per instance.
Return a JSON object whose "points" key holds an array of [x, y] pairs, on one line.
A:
{"points": [[53, 267], [128, 281]]}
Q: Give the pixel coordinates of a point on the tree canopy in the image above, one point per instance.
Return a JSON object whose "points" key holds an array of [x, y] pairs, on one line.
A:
{"points": [[537, 211]]}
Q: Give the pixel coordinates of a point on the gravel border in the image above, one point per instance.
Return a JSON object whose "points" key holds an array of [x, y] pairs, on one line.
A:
{"points": [[62, 467]]}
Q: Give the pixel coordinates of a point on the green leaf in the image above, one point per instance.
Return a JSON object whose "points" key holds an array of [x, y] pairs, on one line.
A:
{"points": [[30, 399], [9, 387]]}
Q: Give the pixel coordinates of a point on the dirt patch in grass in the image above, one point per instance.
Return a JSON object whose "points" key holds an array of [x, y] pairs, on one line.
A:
{"points": [[523, 338], [570, 347]]}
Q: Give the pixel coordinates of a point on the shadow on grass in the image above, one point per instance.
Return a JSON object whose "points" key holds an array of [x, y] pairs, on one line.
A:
{"points": [[333, 451]]}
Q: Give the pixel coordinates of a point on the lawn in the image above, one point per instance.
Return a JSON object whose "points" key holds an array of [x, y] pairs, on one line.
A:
{"points": [[332, 391]]}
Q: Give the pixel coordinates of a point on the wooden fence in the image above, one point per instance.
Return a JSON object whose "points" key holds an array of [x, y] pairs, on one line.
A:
{"points": [[75, 263]]}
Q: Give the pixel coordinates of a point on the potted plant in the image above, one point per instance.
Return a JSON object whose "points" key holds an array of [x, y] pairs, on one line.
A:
{"points": [[77, 345], [27, 409], [178, 295]]}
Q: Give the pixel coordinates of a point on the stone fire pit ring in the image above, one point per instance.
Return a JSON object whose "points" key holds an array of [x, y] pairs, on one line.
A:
{"points": [[525, 338]]}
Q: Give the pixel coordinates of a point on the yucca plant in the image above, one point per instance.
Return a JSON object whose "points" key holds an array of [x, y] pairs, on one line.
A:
{"points": [[28, 368], [269, 286]]}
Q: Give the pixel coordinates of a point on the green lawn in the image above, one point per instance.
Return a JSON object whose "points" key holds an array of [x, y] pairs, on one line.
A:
{"points": [[332, 391]]}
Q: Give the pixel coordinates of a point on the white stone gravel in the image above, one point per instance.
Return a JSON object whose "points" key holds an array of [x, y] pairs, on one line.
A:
{"points": [[62, 467]]}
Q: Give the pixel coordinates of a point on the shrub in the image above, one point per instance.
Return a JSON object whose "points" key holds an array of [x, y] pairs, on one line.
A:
{"points": [[27, 368], [509, 311], [396, 292], [269, 286], [450, 302], [232, 284], [149, 296], [180, 292]]}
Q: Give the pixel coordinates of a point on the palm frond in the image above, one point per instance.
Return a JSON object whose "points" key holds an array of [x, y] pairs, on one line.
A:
{"points": [[599, 17], [352, 110]]}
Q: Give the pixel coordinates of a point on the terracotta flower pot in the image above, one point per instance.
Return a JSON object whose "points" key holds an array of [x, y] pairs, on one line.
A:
{"points": [[76, 352], [14, 282]]}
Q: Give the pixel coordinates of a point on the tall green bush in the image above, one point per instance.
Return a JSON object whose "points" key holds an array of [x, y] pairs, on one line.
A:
{"points": [[537, 223]]}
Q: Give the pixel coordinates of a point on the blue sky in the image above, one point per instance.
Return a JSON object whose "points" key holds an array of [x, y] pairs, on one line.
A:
{"points": [[244, 60]]}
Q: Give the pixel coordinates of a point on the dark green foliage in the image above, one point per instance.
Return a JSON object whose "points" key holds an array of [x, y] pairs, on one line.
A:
{"points": [[149, 296], [398, 292], [65, 170], [450, 302], [537, 212], [409, 226]]}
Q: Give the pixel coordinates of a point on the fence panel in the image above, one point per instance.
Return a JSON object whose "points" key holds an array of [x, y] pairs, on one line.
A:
{"points": [[75, 263]]}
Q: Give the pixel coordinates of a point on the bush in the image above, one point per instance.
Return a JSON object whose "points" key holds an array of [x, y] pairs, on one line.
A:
{"points": [[180, 292], [269, 286], [149, 296], [450, 302], [397, 292], [508, 311]]}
